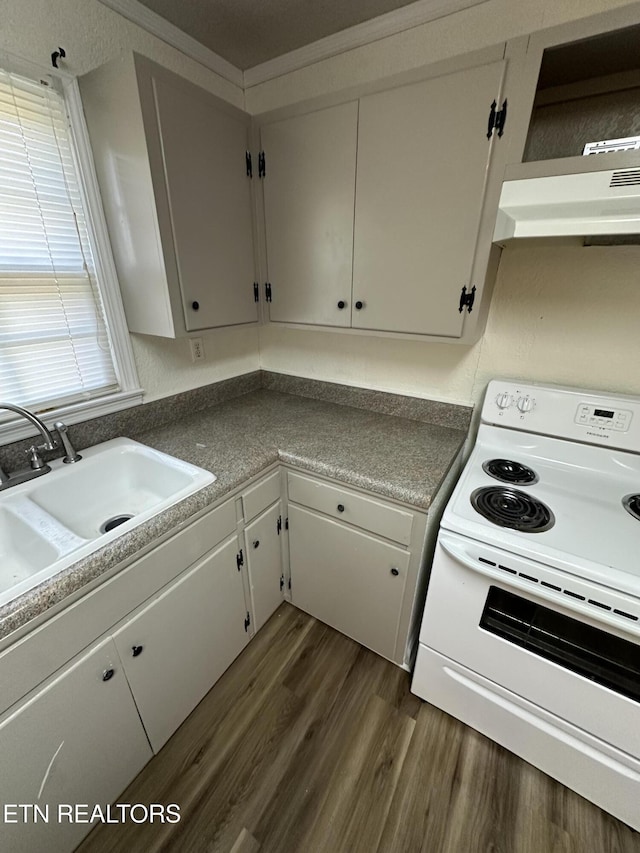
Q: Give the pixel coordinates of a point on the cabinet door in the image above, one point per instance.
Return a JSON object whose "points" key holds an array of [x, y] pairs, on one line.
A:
{"points": [[78, 740], [264, 560], [423, 155], [203, 146], [353, 582], [177, 647], [308, 199]]}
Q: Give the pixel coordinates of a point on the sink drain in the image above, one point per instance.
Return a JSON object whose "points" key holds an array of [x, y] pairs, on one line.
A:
{"points": [[115, 521]]}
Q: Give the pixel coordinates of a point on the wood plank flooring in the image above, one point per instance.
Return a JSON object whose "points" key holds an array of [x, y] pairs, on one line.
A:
{"points": [[312, 744]]}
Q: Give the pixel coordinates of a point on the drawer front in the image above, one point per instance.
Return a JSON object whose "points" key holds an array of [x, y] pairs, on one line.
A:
{"points": [[350, 507], [37, 655], [260, 496]]}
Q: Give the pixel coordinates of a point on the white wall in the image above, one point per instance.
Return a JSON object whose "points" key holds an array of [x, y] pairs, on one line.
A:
{"points": [[91, 34], [558, 314]]}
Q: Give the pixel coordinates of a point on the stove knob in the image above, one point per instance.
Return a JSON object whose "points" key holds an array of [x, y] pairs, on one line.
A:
{"points": [[503, 400], [525, 404]]}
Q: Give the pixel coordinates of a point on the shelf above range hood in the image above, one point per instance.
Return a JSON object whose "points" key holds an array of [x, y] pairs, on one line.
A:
{"points": [[572, 197]]}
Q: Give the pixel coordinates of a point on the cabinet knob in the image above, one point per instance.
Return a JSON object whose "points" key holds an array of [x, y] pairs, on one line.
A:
{"points": [[340, 507], [136, 650], [341, 304], [195, 305], [256, 543], [395, 572], [108, 674], [359, 305]]}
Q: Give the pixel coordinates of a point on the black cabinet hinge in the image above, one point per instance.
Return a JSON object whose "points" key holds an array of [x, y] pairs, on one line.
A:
{"points": [[247, 621], [279, 525], [497, 119], [262, 165], [467, 299], [281, 582], [256, 292], [267, 292], [286, 523], [240, 560], [289, 584], [247, 159]]}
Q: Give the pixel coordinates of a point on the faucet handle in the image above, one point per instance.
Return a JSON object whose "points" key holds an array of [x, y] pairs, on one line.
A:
{"points": [[36, 462]]}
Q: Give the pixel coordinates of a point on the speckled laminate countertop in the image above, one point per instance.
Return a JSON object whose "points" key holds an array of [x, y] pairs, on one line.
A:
{"points": [[393, 457]]}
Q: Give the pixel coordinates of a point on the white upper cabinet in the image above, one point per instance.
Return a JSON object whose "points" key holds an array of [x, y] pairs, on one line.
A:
{"points": [[209, 195], [423, 155], [309, 192], [376, 210], [170, 159]]}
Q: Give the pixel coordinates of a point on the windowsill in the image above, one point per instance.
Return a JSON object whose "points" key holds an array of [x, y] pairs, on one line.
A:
{"points": [[18, 427]]}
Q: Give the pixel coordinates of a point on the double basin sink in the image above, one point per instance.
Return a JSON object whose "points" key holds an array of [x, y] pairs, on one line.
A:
{"points": [[54, 520]]}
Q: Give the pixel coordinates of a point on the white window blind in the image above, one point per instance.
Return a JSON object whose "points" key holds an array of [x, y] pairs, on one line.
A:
{"points": [[54, 342]]}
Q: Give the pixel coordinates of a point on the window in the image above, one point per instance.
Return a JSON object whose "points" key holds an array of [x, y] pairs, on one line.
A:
{"points": [[57, 347]]}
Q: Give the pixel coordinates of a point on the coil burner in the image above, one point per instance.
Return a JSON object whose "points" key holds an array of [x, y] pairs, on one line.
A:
{"points": [[632, 505], [511, 472], [512, 508]]}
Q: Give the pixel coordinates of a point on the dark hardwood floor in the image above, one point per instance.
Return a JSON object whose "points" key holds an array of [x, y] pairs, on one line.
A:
{"points": [[312, 743]]}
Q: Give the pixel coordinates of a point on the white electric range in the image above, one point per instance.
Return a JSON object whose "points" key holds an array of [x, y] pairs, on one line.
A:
{"points": [[531, 628]]}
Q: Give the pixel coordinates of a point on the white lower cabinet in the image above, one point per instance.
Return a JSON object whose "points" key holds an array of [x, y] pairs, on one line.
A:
{"points": [[77, 741], [264, 564], [345, 577], [85, 732], [356, 562], [176, 647]]}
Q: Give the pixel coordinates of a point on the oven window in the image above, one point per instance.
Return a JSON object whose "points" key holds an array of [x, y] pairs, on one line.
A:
{"points": [[596, 654]]}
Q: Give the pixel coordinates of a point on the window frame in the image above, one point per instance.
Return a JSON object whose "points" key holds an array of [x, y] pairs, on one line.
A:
{"points": [[130, 393]]}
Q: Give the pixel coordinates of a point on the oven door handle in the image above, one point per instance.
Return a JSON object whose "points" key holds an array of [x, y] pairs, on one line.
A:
{"points": [[456, 548]]}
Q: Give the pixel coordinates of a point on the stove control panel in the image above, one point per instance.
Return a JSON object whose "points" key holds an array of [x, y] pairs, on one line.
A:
{"points": [[590, 417], [610, 418], [520, 403], [504, 400], [525, 404]]}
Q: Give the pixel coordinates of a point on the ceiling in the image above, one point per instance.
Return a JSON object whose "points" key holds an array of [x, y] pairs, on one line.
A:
{"points": [[247, 32]]}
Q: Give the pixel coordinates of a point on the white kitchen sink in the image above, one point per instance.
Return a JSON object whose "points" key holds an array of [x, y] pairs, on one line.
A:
{"points": [[118, 480], [22, 550], [49, 522]]}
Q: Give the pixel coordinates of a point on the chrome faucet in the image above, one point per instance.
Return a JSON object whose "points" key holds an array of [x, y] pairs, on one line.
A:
{"points": [[37, 466]]}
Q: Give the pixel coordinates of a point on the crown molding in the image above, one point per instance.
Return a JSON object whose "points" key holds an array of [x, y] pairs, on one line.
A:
{"points": [[413, 15], [167, 32], [420, 12]]}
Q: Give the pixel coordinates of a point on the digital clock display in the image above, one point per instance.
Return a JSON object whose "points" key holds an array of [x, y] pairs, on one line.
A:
{"points": [[602, 413]]}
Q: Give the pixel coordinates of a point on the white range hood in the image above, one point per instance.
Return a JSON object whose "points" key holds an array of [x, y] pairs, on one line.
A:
{"points": [[587, 204]]}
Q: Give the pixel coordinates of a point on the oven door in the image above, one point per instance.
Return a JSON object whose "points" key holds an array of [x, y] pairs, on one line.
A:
{"points": [[539, 633]]}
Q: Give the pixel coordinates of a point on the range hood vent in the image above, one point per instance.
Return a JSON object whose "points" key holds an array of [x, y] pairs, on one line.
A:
{"points": [[587, 204]]}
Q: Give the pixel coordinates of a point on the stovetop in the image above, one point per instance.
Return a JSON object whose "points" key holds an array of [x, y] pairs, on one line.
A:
{"points": [[571, 500]]}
